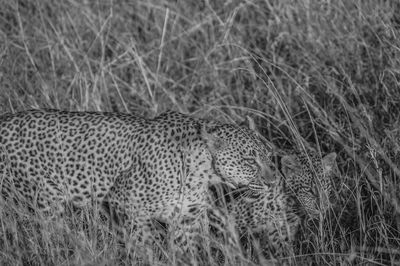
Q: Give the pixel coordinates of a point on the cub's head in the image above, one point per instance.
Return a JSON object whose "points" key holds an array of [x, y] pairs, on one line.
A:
{"points": [[240, 154], [310, 179]]}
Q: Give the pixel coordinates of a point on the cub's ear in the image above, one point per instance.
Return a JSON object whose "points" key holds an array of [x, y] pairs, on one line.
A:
{"points": [[329, 163], [289, 165], [211, 138]]}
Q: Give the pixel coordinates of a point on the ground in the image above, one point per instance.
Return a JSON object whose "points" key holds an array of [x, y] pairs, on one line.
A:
{"points": [[314, 73]]}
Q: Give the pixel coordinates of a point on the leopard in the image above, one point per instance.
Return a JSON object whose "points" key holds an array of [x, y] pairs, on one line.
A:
{"points": [[273, 212], [312, 180], [136, 167]]}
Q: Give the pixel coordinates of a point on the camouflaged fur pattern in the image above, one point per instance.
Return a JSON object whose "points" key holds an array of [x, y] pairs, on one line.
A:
{"points": [[148, 168], [275, 210], [270, 213], [311, 180]]}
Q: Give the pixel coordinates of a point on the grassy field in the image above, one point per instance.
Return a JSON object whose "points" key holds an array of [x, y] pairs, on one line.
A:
{"points": [[322, 73]]}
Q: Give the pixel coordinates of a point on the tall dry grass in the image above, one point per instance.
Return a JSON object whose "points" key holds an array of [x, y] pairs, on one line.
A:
{"points": [[321, 73]]}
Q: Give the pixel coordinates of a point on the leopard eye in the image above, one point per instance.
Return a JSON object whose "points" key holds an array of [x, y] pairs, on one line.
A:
{"points": [[251, 161]]}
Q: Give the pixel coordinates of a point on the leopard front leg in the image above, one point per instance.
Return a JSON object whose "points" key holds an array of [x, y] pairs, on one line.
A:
{"points": [[133, 225], [134, 230], [189, 233]]}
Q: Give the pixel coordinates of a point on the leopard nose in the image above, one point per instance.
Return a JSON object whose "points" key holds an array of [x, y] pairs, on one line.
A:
{"points": [[268, 174]]}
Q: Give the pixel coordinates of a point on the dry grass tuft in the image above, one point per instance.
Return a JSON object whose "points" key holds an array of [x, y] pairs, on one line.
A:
{"points": [[324, 73]]}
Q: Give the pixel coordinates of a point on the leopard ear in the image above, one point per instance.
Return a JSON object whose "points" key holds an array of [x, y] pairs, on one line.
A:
{"points": [[329, 162], [250, 123], [289, 165], [210, 137]]}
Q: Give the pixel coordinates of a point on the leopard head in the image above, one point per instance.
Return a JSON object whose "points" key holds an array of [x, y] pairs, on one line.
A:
{"points": [[240, 155], [309, 178]]}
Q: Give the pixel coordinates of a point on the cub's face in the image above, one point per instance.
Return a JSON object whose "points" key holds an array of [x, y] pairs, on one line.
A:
{"points": [[309, 178]]}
